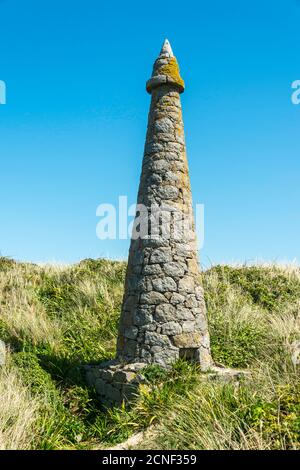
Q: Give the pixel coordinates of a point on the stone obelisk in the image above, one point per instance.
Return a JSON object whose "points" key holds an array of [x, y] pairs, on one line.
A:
{"points": [[163, 314]]}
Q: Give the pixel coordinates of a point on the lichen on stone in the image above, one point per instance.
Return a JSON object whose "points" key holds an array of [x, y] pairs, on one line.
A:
{"points": [[171, 69]]}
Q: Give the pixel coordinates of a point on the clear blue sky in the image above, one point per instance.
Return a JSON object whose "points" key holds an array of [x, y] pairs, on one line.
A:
{"points": [[72, 131]]}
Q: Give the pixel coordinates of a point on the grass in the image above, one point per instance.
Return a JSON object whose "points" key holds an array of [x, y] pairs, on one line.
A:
{"points": [[54, 319]]}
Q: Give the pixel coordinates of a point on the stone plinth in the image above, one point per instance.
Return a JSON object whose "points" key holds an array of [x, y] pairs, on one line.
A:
{"points": [[115, 382]]}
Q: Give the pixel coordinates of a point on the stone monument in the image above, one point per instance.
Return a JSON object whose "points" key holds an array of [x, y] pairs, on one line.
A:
{"points": [[163, 314]]}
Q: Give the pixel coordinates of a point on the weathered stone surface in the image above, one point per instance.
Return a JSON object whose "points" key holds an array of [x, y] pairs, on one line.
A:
{"points": [[155, 339], [174, 269], [166, 358], [183, 313], [161, 255], [205, 340], [142, 316], [164, 284], [153, 269], [165, 312], [152, 298], [186, 285], [191, 301], [201, 322], [171, 328], [124, 376], [199, 293], [168, 192], [131, 332], [187, 340], [177, 299], [117, 383], [163, 308], [188, 326], [164, 125]]}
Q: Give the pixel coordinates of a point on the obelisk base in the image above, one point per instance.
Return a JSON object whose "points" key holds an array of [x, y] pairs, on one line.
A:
{"points": [[115, 382]]}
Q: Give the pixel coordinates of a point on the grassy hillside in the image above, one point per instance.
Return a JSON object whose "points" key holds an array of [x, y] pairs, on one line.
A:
{"points": [[56, 318]]}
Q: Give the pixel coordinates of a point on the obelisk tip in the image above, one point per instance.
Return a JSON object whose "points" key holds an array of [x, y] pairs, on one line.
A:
{"points": [[166, 49]]}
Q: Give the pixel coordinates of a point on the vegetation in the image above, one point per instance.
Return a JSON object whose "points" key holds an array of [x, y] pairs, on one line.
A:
{"points": [[56, 318]]}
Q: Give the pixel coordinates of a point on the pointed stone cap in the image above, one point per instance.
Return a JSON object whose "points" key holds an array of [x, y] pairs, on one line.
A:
{"points": [[165, 70]]}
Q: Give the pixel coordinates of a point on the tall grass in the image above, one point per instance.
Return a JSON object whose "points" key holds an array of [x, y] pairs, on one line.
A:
{"points": [[19, 412], [56, 318], [25, 317]]}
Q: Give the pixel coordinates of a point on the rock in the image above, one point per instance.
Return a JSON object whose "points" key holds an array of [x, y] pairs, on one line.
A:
{"points": [[191, 301], [205, 359], [142, 316], [171, 176], [165, 284], [152, 298], [174, 269], [153, 147], [160, 255], [130, 302], [90, 378], [145, 284], [152, 269], [183, 313], [123, 376], [148, 327], [205, 341], [136, 366], [166, 358], [171, 328], [199, 293], [193, 266], [131, 332], [114, 394], [188, 326], [160, 166], [131, 346], [168, 192], [201, 322], [155, 339], [165, 312], [164, 125], [145, 354], [177, 299], [227, 375], [187, 340], [184, 249], [186, 285]]}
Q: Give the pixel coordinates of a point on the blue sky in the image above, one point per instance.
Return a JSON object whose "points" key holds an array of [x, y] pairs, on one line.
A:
{"points": [[72, 131]]}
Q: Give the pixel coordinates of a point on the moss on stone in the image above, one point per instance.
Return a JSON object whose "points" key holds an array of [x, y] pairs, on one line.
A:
{"points": [[171, 69]]}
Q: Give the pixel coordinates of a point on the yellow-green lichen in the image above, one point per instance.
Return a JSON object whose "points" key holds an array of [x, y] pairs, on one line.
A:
{"points": [[171, 69]]}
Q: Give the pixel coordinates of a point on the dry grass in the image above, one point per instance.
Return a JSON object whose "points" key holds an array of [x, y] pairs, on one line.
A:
{"points": [[58, 317], [19, 412], [20, 309]]}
